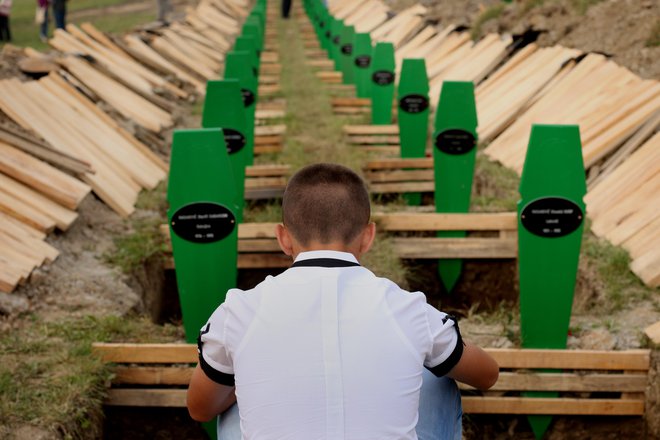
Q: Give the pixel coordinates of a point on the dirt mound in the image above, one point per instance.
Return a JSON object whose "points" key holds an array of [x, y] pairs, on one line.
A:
{"points": [[627, 30]]}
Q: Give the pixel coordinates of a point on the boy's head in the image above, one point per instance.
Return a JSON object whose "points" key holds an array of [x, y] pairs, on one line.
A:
{"points": [[325, 203]]}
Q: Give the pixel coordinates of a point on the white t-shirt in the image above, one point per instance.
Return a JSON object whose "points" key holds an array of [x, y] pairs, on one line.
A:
{"points": [[327, 350]]}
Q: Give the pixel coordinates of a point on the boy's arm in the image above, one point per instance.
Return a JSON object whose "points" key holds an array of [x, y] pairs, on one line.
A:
{"points": [[476, 368], [206, 398]]}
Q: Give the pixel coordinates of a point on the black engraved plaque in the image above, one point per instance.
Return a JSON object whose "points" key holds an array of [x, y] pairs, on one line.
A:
{"points": [[248, 97], [383, 77], [347, 49], [414, 103], [234, 139], [455, 141], [203, 222], [551, 217], [363, 61]]}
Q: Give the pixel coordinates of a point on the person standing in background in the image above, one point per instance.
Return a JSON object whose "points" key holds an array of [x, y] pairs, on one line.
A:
{"points": [[5, 11], [41, 19], [286, 8], [59, 11], [164, 8]]}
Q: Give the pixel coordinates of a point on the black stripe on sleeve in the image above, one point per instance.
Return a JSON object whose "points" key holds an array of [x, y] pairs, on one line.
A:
{"points": [[445, 367], [213, 374]]}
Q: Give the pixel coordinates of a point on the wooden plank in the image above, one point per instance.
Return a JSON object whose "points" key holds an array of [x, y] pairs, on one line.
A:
{"points": [[446, 222], [152, 375], [634, 360], [401, 187], [147, 398], [470, 247], [270, 130], [64, 189], [267, 170], [569, 382], [361, 130], [395, 163], [653, 332], [146, 353], [375, 139], [62, 216], [16, 208], [43, 151], [552, 406], [399, 176]]}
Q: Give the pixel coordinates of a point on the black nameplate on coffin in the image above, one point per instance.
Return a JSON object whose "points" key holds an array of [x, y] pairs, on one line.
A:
{"points": [[363, 61], [234, 139], [335, 39], [248, 97], [203, 222], [383, 77], [455, 141], [347, 49], [327, 34], [551, 217], [414, 103]]}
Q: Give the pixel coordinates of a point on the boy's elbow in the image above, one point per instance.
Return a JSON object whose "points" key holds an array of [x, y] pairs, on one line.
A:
{"points": [[489, 378], [198, 414], [197, 409]]}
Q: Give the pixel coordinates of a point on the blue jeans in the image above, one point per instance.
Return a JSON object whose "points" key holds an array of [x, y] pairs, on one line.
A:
{"points": [[440, 412]]}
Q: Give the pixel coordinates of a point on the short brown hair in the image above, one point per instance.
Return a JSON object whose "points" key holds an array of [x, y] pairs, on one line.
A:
{"points": [[325, 202]]}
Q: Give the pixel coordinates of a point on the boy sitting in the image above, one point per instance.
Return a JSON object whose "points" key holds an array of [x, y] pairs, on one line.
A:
{"points": [[327, 350]]}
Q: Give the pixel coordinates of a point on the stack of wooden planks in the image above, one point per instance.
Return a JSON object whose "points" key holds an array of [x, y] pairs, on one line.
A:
{"points": [[35, 198], [155, 375], [606, 100], [625, 209], [616, 110], [67, 145]]}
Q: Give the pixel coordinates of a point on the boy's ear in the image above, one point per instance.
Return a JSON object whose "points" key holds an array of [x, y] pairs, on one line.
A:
{"points": [[284, 239], [367, 238]]}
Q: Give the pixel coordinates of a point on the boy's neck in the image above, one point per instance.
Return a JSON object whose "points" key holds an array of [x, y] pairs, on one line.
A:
{"points": [[336, 246]]}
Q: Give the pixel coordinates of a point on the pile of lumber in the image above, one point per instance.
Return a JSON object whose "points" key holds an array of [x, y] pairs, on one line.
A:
{"points": [[519, 86], [607, 101], [625, 208], [70, 133], [35, 198]]}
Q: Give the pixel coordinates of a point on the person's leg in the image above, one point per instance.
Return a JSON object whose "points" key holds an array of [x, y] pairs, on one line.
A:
{"points": [[440, 410], [286, 8], [229, 424], [3, 28], [60, 18], [43, 31], [8, 29]]}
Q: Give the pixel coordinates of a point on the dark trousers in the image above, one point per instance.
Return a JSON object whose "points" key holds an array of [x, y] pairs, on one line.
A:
{"points": [[60, 17], [5, 33], [286, 8]]}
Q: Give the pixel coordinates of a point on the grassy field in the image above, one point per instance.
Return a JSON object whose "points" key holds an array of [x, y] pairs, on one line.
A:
{"points": [[26, 33]]}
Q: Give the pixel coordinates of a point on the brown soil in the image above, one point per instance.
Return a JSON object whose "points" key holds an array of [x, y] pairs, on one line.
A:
{"points": [[620, 28]]}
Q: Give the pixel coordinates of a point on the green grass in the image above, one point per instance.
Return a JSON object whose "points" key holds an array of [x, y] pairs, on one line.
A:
{"points": [[495, 187], [582, 6], [528, 5], [618, 286], [654, 39], [488, 14], [49, 379], [26, 33]]}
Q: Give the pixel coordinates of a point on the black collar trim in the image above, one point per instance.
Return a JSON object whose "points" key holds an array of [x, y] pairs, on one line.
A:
{"points": [[324, 262]]}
